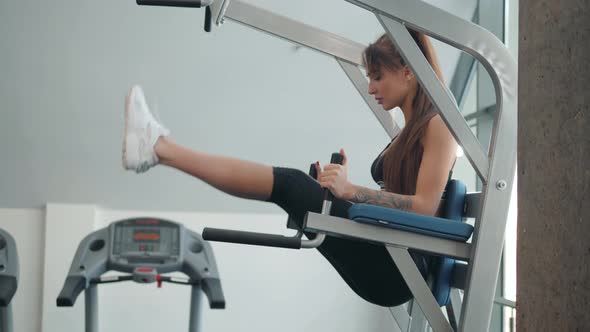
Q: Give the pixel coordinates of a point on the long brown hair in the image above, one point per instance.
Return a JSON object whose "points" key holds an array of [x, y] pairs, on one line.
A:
{"points": [[402, 159]]}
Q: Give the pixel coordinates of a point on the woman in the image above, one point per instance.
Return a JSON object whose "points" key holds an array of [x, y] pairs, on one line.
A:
{"points": [[412, 170]]}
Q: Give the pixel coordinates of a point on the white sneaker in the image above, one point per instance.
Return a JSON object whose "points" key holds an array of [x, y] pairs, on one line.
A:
{"points": [[141, 133]]}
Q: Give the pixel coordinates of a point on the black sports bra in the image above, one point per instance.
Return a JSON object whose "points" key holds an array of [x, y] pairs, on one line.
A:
{"points": [[377, 168]]}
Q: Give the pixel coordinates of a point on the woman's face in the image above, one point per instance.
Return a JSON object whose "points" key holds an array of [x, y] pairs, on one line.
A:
{"points": [[390, 87]]}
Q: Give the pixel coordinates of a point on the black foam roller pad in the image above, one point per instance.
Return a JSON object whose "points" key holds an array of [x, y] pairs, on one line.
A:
{"points": [[257, 239]]}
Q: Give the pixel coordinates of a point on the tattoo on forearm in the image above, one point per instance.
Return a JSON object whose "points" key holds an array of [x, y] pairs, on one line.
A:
{"points": [[383, 198]]}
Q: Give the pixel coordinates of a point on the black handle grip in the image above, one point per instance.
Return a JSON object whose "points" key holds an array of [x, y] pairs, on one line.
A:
{"points": [[8, 286], [69, 293], [257, 239], [208, 19], [171, 3], [212, 288], [336, 158], [313, 172]]}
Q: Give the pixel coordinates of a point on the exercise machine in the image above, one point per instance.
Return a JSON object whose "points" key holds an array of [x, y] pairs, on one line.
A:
{"points": [[447, 275], [9, 270], [473, 265], [144, 249]]}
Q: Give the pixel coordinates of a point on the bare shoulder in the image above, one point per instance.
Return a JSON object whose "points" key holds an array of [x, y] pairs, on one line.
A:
{"points": [[437, 131]]}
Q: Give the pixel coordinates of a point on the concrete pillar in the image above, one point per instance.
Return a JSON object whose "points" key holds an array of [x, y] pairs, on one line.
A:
{"points": [[553, 278]]}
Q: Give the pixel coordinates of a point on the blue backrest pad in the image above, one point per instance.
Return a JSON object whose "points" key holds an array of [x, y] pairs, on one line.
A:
{"points": [[453, 209]]}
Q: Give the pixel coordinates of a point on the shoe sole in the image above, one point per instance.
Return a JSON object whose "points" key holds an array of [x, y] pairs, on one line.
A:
{"points": [[125, 133]]}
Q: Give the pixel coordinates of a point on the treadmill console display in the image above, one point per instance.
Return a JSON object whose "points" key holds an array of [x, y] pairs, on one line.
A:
{"points": [[142, 240]]}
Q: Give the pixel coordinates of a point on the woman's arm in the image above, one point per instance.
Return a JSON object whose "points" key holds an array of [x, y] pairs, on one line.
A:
{"points": [[360, 194], [439, 153]]}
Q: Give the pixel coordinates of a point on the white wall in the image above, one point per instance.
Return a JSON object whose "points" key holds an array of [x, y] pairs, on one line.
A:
{"points": [[66, 226], [265, 289]]}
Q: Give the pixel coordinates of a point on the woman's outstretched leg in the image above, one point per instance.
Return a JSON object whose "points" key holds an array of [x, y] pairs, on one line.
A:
{"points": [[234, 176], [146, 144]]}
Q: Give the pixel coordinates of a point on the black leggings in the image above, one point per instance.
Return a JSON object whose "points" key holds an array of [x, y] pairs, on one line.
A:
{"points": [[367, 268]]}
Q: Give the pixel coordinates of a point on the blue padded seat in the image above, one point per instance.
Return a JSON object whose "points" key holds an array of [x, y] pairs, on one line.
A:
{"points": [[450, 226], [446, 228]]}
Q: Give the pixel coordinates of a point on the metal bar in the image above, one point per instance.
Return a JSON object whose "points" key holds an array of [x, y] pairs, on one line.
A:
{"points": [[490, 17], [484, 126], [343, 227], [175, 3], [461, 80], [362, 86], [419, 322], [481, 113], [488, 237], [6, 323], [464, 73], [438, 93], [505, 302], [401, 317], [218, 9], [295, 31], [420, 289], [91, 308], [195, 309], [454, 306]]}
